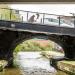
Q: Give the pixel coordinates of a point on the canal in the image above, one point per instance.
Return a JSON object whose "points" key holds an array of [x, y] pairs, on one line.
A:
{"points": [[30, 62]]}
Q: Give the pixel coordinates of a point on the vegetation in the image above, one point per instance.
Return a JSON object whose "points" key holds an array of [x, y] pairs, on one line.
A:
{"points": [[5, 14], [29, 45]]}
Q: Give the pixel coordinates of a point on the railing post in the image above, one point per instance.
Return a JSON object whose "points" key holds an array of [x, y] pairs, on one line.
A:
{"points": [[59, 20], [22, 18], [74, 20], [41, 20], [10, 13], [27, 15], [43, 17]]}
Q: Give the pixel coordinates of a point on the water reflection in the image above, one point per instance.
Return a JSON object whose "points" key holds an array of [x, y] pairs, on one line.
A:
{"points": [[33, 62]]}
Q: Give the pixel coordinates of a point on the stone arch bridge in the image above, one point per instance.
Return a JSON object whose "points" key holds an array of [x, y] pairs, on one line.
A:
{"points": [[13, 33]]}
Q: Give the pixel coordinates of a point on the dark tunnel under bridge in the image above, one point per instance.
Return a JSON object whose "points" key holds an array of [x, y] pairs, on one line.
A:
{"points": [[10, 39]]}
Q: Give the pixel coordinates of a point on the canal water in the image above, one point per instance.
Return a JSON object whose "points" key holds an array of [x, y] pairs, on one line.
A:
{"points": [[16, 71], [32, 62]]}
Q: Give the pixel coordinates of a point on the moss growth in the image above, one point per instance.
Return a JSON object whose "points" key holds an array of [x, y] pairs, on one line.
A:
{"points": [[67, 66]]}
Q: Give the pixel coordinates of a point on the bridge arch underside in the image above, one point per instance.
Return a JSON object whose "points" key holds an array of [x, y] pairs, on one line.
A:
{"points": [[10, 39]]}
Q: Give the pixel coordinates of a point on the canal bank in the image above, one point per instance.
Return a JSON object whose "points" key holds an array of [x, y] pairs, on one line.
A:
{"points": [[22, 60], [58, 61]]}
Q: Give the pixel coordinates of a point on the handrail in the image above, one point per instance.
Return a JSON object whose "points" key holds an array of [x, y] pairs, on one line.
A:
{"points": [[43, 16], [32, 12]]}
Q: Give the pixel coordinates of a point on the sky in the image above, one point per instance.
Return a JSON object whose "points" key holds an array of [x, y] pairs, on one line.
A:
{"points": [[59, 9]]}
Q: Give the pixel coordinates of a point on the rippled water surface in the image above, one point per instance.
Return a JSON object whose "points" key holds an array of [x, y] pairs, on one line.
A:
{"points": [[30, 60]]}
